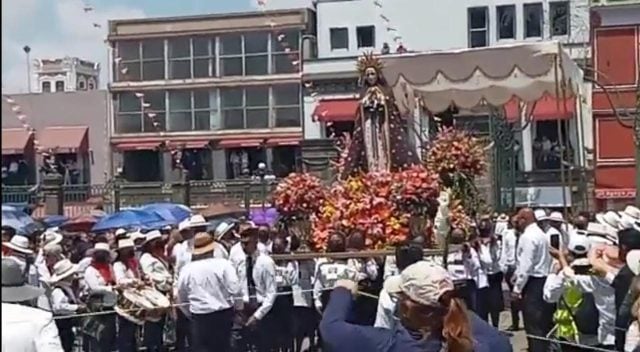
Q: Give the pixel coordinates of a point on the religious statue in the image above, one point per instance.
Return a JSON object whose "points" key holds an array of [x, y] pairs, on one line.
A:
{"points": [[380, 140]]}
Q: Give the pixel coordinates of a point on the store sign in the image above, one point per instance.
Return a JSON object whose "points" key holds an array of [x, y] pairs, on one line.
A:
{"points": [[544, 196], [615, 193]]}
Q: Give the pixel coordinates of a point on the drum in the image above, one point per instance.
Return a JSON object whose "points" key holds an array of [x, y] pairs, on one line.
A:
{"points": [[141, 305]]}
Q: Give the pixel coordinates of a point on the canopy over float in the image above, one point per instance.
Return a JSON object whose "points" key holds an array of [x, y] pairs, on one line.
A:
{"points": [[493, 75]]}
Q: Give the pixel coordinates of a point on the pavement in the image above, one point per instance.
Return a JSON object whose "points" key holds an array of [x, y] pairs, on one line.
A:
{"points": [[518, 338]]}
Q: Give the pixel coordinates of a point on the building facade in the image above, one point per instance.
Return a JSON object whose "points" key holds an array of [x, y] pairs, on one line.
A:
{"points": [[223, 90], [71, 126], [68, 74], [347, 28], [616, 52]]}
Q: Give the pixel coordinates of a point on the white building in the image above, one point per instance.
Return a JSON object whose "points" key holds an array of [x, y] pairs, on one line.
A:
{"points": [[67, 74], [347, 28]]}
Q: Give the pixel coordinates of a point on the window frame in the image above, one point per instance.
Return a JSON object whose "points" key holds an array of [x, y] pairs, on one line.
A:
{"points": [[552, 5], [275, 105], [211, 57], [144, 60], [46, 84], [373, 36], [485, 29], [537, 5], [331, 40], [62, 85], [275, 53], [514, 22], [188, 58]]}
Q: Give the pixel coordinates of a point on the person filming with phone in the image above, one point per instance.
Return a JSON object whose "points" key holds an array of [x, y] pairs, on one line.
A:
{"points": [[585, 311]]}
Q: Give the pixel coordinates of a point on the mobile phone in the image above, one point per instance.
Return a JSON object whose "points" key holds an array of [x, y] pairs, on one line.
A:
{"points": [[555, 241], [582, 269]]}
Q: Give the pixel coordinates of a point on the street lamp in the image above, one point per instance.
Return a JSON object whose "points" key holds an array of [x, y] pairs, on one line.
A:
{"points": [[261, 173], [27, 51]]}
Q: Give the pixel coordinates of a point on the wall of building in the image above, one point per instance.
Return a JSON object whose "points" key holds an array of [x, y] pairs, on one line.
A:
{"points": [[67, 109]]}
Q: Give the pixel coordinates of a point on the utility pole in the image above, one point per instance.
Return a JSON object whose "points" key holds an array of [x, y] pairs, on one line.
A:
{"points": [[27, 50]]}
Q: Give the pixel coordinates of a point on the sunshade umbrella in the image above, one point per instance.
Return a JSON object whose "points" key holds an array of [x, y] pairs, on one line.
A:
{"points": [[18, 220], [80, 223], [266, 217], [171, 212], [54, 220], [127, 219]]}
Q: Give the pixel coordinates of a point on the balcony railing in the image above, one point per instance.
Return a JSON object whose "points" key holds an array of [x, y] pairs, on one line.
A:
{"points": [[550, 177], [614, 2]]}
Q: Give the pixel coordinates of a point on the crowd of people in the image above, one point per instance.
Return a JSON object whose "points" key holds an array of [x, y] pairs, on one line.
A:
{"points": [[573, 281]]}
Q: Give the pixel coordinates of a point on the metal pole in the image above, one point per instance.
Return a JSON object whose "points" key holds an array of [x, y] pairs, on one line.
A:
{"points": [[562, 176]]}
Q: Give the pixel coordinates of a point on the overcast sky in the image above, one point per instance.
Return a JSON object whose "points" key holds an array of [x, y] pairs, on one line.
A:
{"points": [[58, 28]]}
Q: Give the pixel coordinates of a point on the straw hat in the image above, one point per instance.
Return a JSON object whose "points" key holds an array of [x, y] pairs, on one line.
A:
{"points": [[125, 243], [62, 270], [19, 243], [101, 246], [633, 261], [556, 217], [610, 218], [203, 243], [151, 236], [222, 229], [631, 211], [51, 237], [540, 214], [193, 221]]}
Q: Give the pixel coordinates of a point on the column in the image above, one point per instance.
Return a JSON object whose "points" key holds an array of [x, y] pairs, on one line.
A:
{"points": [[527, 145], [312, 129]]}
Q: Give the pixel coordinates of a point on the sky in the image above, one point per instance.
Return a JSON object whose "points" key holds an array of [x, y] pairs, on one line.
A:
{"points": [[59, 28]]}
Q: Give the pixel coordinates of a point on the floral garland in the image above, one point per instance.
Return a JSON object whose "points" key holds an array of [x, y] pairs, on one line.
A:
{"points": [[299, 196], [457, 151]]}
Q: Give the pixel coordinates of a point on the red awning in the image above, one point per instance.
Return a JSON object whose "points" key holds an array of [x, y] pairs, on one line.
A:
{"points": [[67, 139], [15, 141], [129, 146], [198, 144], [278, 142], [336, 110], [546, 109], [615, 193]]}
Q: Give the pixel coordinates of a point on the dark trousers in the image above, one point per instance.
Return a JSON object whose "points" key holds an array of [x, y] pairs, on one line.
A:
{"points": [[101, 339], [183, 332], [280, 321], [537, 314], [127, 335], [251, 338], [153, 334], [65, 331], [468, 291], [305, 323], [211, 331], [490, 301], [514, 305]]}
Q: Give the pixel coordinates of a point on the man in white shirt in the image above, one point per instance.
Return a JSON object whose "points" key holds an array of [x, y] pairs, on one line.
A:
{"points": [[508, 246], [533, 266], [209, 285], [24, 328], [257, 275]]}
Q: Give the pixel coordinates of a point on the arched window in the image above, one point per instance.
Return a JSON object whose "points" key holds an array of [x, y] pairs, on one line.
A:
{"points": [[91, 84], [82, 83]]}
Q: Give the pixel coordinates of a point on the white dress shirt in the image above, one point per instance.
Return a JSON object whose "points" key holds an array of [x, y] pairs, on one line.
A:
{"points": [[265, 248], [489, 256], [603, 294], [95, 284], [123, 275], [26, 329], [464, 266], [390, 267], [327, 274], [154, 269], [385, 315], [41, 267], [302, 289], [287, 274], [508, 250], [366, 269], [63, 300], [533, 257], [208, 285], [264, 278]]}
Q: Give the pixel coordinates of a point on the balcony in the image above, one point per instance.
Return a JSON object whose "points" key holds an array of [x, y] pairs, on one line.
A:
{"points": [[597, 3], [550, 177]]}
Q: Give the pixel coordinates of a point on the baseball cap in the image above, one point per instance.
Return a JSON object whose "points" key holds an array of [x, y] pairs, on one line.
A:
{"points": [[579, 244], [423, 282]]}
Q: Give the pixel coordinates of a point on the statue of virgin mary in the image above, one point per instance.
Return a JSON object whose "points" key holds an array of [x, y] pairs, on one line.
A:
{"points": [[380, 139]]}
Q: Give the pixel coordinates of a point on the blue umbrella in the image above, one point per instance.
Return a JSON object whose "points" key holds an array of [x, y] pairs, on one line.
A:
{"points": [[18, 220], [174, 213], [54, 220], [131, 218]]}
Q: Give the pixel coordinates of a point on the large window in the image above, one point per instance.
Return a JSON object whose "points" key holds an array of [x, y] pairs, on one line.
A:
{"points": [[559, 18], [195, 110], [231, 55], [506, 22], [232, 108], [140, 60], [366, 36], [179, 58], [204, 57], [137, 114], [478, 24], [286, 100], [245, 108], [256, 54], [285, 52], [532, 20]]}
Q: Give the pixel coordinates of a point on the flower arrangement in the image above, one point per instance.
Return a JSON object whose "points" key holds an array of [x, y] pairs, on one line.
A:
{"points": [[362, 204], [457, 151], [342, 144], [417, 190], [458, 218], [298, 196]]}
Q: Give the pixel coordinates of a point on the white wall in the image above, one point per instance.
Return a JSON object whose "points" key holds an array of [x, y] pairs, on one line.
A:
{"points": [[429, 24]]}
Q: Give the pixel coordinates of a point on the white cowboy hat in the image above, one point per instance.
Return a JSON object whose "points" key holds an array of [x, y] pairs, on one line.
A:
{"points": [[19, 243], [125, 243], [540, 214], [633, 261], [193, 221], [151, 235], [610, 218], [579, 244], [631, 211], [62, 270], [51, 237], [556, 216], [222, 229], [101, 246], [599, 233], [136, 235]]}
